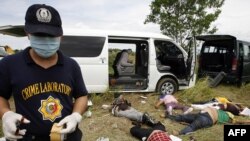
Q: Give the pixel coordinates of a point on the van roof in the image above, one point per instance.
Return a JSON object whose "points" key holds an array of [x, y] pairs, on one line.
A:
{"points": [[18, 31], [214, 37], [114, 33]]}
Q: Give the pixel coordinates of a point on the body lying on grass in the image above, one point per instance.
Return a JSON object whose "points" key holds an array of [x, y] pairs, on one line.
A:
{"points": [[171, 103], [220, 103], [155, 132], [206, 118], [122, 108], [210, 103]]}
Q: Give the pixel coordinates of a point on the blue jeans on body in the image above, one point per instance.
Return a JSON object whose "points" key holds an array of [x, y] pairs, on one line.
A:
{"points": [[196, 121]]}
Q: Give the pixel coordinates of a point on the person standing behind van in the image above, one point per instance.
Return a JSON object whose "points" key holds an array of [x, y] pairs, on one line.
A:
{"points": [[47, 86]]}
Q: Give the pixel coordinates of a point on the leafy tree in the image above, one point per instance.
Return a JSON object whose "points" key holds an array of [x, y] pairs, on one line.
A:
{"points": [[183, 18]]}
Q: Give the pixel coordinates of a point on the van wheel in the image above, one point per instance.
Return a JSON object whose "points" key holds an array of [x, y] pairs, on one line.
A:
{"points": [[167, 86]]}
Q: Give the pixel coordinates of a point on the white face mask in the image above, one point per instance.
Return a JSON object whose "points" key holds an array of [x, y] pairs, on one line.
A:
{"points": [[44, 46]]}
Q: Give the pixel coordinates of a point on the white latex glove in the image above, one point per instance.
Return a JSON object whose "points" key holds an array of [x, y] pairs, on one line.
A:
{"points": [[10, 122], [71, 121]]}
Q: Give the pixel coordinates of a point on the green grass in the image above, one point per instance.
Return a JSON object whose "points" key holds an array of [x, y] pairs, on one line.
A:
{"points": [[100, 98], [200, 92]]}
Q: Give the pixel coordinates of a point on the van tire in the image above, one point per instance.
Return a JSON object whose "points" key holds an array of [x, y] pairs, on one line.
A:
{"points": [[167, 86]]}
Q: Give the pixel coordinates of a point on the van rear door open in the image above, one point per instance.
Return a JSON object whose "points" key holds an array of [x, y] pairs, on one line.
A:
{"points": [[224, 53], [218, 53]]}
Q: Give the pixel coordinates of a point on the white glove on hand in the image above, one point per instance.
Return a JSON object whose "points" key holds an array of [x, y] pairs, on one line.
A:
{"points": [[10, 122], [71, 121]]}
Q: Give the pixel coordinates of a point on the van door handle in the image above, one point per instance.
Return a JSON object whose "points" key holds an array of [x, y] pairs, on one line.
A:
{"points": [[103, 59]]}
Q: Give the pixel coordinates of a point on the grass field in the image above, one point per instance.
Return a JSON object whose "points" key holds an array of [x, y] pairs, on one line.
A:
{"points": [[103, 124]]}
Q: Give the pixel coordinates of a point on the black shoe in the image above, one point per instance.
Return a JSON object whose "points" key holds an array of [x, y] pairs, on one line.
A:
{"points": [[171, 117], [146, 118]]}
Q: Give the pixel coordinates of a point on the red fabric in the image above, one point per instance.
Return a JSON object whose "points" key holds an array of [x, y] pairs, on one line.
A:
{"points": [[159, 136]]}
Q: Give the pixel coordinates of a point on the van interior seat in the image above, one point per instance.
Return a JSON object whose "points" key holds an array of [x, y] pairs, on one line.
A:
{"points": [[161, 67], [119, 69], [176, 63], [213, 61]]}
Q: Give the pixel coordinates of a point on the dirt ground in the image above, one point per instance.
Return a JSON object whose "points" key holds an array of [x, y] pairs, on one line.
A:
{"points": [[103, 124]]}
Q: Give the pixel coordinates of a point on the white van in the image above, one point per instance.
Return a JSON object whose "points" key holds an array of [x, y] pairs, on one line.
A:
{"points": [[159, 63]]}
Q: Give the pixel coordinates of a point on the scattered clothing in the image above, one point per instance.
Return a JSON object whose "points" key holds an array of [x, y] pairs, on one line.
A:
{"points": [[203, 106], [245, 112]]}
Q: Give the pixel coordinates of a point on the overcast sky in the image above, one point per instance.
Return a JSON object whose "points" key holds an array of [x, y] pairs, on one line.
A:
{"points": [[122, 15]]}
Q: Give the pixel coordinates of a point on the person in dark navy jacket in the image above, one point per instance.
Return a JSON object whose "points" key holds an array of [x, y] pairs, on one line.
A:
{"points": [[47, 86]]}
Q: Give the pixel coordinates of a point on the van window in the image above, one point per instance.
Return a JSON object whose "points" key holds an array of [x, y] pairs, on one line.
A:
{"points": [[212, 49], [166, 48], [117, 45], [241, 51], [222, 50], [206, 49], [115, 49], [215, 49], [82, 46], [168, 54], [246, 52]]}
